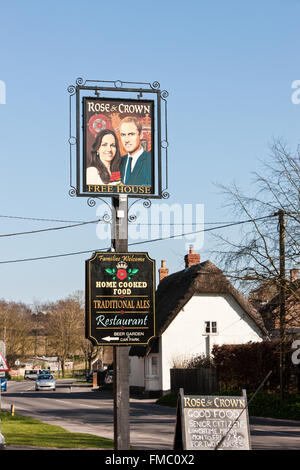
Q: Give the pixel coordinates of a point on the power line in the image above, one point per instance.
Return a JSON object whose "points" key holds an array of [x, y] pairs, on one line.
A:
{"points": [[132, 244], [40, 219], [52, 256], [78, 224], [49, 229]]}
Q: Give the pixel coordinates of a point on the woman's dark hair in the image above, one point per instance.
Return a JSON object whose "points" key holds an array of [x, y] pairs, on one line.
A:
{"points": [[96, 162]]}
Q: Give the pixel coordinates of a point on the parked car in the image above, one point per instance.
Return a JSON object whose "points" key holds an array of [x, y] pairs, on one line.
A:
{"points": [[31, 374], [3, 384], [45, 382], [89, 377]]}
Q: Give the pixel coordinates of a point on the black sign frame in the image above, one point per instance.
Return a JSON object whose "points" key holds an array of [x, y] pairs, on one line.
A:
{"points": [[119, 90], [113, 288]]}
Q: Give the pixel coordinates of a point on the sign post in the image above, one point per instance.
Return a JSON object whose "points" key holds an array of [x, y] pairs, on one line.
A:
{"points": [[121, 353], [120, 310]]}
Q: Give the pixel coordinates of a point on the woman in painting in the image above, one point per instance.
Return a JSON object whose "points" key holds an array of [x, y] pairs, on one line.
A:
{"points": [[105, 163]]}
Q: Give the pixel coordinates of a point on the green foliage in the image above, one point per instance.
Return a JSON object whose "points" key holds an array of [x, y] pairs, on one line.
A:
{"points": [[246, 365], [134, 271], [131, 272], [170, 399], [268, 405], [110, 271]]}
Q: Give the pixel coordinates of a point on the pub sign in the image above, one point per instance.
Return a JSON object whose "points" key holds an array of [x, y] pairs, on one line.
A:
{"points": [[120, 299], [211, 422], [119, 133], [118, 146]]}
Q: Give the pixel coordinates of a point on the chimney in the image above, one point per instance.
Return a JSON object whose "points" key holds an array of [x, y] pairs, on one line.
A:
{"points": [[263, 296], [163, 271], [192, 258], [294, 274]]}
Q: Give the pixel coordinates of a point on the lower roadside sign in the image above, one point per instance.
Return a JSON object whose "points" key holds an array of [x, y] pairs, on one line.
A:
{"points": [[120, 298], [212, 423]]}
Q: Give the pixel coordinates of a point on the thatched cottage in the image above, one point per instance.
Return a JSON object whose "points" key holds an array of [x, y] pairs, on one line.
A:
{"points": [[195, 309]]}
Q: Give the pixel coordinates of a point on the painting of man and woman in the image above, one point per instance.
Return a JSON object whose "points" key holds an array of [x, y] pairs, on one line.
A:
{"points": [[109, 165]]}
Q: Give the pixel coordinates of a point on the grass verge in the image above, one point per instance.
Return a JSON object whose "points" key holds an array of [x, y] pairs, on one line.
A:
{"points": [[22, 430]]}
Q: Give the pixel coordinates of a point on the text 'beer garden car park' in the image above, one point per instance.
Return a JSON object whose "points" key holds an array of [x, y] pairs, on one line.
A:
{"points": [[120, 298]]}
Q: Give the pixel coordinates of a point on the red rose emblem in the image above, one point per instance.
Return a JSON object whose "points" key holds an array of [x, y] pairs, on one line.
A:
{"points": [[121, 274]]}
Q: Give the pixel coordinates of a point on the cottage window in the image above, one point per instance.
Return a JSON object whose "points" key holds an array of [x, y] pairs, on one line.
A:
{"points": [[152, 366], [211, 327]]}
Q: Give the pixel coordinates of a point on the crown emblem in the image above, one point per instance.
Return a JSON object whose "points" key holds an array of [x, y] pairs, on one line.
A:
{"points": [[122, 265]]}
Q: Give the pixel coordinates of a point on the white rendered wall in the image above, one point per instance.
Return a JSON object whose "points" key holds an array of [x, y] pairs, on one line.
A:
{"points": [[185, 337], [136, 371]]}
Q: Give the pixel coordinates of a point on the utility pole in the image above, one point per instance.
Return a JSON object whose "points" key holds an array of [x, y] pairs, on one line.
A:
{"points": [[282, 307], [121, 353]]}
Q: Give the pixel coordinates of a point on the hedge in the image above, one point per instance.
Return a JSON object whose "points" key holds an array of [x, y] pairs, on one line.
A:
{"points": [[246, 365]]}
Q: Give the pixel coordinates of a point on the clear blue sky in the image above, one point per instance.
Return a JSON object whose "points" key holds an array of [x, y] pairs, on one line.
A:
{"points": [[228, 67]]}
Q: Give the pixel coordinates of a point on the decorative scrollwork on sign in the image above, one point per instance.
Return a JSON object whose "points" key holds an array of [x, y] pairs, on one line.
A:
{"points": [[71, 89], [164, 94], [165, 195], [79, 81], [147, 203], [72, 192], [155, 85], [118, 84], [132, 218], [72, 140], [91, 202], [107, 217], [164, 144]]}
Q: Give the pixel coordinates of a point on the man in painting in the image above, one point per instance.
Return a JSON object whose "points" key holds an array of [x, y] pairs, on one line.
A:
{"points": [[136, 165]]}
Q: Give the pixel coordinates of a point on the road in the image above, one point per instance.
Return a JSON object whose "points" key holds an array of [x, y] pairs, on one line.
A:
{"points": [[79, 409]]}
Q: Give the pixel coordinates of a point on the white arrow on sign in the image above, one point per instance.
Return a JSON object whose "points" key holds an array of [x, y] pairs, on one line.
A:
{"points": [[3, 364], [111, 338]]}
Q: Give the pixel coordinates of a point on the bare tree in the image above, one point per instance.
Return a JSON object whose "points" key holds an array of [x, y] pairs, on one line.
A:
{"points": [[15, 329], [66, 328], [91, 353], [253, 254], [269, 242]]}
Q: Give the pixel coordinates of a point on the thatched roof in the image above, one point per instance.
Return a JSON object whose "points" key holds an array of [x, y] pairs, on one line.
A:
{"points": [[175, 290]]}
